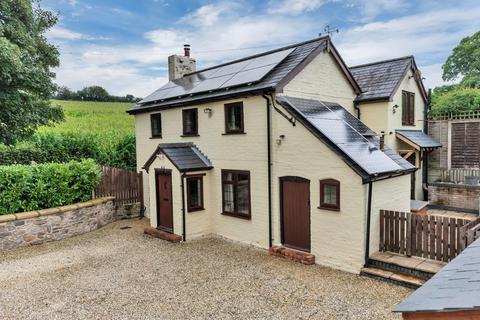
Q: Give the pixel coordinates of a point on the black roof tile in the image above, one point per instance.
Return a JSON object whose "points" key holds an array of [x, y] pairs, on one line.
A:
{"points": [[379, 80], [185, 156], [419, 138]]}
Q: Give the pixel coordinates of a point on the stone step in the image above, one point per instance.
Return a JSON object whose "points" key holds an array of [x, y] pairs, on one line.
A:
{"points": [[154, 232], [397, 278], [292, 254], [413, 266]]}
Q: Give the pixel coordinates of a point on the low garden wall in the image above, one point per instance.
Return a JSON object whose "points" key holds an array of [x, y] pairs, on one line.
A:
{"points": [[454, 196], [35, 227]]}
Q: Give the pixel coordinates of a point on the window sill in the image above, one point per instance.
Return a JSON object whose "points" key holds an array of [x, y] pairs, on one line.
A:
{"points": [[156, 137], [328, 208], [408, 125], [231, 133], [236, 215], [190, 135], [195, 209]]}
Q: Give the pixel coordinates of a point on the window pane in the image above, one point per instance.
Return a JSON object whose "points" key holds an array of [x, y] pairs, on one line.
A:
{"points": [[330, 194], [234, 116], [195, 193], [242, 178], [243, 199], [156, 122], [190, 121], [228, 176], [228, 196]]}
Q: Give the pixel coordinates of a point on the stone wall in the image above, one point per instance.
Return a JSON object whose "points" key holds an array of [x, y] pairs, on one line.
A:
{"points": [[454, 196], [35, 227]]}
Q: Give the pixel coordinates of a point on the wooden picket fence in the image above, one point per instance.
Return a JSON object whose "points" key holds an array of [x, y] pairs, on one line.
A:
{"points": [[124, 185], [434, 237]]}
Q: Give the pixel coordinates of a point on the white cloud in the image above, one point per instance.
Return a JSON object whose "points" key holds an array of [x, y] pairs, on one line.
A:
{"points": [[429, 36], [371, 8], [209, 14], [294, 7], [60, 33]]}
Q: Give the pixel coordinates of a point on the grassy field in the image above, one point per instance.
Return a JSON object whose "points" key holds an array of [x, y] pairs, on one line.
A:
{"points": [[106, 119]]}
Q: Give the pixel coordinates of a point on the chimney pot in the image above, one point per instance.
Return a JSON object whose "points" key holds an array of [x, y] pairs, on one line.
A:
{"points": [[186, 50], [382, 142]]}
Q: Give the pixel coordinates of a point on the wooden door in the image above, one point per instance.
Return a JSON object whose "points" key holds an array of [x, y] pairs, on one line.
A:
{"points": [[295, 210], [164, 200], [413, 160]]}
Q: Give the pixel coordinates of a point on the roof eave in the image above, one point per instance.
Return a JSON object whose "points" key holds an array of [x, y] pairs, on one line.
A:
{"points": [[173, 104]]}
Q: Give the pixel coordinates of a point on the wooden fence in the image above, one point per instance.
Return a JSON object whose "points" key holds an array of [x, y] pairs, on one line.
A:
{"points": [[434, 237], [124, 185], [457, 175]]}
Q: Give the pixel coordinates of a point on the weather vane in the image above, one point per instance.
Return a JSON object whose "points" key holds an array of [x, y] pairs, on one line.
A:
{"points": [[328, 30]]}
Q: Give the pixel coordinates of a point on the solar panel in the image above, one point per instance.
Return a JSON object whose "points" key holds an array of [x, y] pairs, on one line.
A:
{"points": [[346, 132], [233, 74]]}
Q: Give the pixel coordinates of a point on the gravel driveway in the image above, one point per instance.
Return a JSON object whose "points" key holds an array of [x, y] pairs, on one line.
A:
{"points": [[116, 273]]}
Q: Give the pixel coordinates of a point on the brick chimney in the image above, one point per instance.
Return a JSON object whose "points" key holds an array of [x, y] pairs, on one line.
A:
{"points": [[178, 66]]}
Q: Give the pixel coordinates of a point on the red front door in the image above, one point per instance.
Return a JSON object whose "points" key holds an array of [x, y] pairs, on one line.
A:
{"points": [[164, 200]]}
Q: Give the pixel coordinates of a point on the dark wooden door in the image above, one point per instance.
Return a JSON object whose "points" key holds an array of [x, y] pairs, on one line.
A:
{"points": [[413, 159], [295, 203], [164, 200]]}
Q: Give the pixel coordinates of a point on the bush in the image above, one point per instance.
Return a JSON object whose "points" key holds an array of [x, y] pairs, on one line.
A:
{"points": [[456, 101], [41, 186], [25, 153], [53, 147]]}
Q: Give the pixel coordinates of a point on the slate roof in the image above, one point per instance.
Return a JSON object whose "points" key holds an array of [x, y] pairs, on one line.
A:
{"points": [[185, 156], [299, 53], [379, 80], [419, 138], [456, 287], [348, 136]]}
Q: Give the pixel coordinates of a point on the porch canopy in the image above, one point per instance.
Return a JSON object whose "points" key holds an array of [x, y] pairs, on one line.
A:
{"points": [[184, 156], [418, 139]]}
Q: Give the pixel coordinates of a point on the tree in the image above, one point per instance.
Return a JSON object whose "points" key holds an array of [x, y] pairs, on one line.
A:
{"points": [[464, 62], [64, 93], [26, 58], [94, 93]]}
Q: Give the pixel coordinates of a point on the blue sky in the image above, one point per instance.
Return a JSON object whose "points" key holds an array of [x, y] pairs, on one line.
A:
{"points": [[124, 45]]}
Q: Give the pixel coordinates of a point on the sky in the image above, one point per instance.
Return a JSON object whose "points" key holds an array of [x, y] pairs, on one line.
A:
{"points": [[123, 45]]}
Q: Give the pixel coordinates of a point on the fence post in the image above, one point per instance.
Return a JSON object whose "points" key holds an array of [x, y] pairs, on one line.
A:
{"points": [[409, 234]]}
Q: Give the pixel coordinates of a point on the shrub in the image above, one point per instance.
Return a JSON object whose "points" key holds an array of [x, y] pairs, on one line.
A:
{"points": [[41, 186], [456, 101], [25, 153]]}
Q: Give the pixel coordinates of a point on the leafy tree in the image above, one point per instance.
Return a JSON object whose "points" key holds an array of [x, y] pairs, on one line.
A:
{"points": [[25, 77], [94, 93], [464, 62], [64, 93]]}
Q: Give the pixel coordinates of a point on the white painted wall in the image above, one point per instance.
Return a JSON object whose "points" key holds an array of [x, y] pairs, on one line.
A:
{"points": [[322, 79]]}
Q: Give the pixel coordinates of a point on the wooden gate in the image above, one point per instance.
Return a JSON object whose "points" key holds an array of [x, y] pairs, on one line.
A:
{"points": [[126, 186], [434, 237]]}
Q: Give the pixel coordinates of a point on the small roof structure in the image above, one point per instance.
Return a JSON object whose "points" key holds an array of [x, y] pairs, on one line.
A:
{"points": [[184, 156], [455, 288], [380, 80], [266, 72], [347, 136], [417, 139]]}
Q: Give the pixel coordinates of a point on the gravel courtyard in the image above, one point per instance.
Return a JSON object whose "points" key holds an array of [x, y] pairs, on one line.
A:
{"points": [[116, 273]]}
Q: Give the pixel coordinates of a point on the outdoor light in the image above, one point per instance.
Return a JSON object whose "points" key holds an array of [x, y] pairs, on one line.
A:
{"points": [[395, 107], [208, 111]]}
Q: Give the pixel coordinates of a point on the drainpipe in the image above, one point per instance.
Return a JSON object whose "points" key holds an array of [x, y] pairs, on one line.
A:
{"points": [[355, 106], [269, 169], [369, 214], [182, 189], [426, 112]]}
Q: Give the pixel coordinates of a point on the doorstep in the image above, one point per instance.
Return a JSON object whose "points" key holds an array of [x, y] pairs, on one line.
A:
{"points": [[154, 232], [292, 254]]}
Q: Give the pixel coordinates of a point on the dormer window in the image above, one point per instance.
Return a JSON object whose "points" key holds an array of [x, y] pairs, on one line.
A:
{"points": [[234, 118], [190, 122]]}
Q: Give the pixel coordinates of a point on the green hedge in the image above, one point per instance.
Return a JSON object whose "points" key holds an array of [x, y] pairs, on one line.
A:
{"points": [[456, 100], [54, 147], [41, 186]]}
